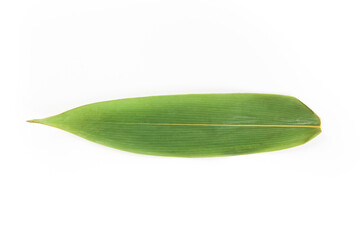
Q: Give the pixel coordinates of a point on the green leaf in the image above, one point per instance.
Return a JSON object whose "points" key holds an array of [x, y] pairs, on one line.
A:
{"points": [[194, 125]]}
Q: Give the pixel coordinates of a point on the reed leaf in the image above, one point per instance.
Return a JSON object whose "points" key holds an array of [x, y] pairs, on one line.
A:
{"points": [[193, 125]]}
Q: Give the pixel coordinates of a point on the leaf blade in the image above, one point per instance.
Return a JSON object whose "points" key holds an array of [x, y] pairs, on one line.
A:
{"points": [[194, 125]]}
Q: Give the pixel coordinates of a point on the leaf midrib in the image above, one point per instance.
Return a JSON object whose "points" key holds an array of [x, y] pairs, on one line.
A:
{"points": [[224, 125]]}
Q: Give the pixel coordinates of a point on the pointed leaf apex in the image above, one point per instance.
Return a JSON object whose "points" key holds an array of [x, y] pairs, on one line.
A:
{"points": [[35, 121]]}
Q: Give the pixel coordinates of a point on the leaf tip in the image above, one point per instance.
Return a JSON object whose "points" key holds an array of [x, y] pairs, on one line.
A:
{"points": [[35, 121], [32, 121]]}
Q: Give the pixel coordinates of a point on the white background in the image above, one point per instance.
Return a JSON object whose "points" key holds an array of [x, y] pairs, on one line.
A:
{"points": [[57, 55]]}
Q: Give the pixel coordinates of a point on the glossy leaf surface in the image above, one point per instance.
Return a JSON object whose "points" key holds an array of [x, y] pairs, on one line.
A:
{"points": [[194, 125]]}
